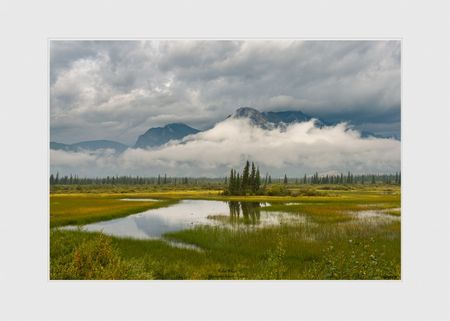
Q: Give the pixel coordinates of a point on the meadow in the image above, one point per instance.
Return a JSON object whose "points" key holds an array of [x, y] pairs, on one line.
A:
{"points": [[333, 244]]}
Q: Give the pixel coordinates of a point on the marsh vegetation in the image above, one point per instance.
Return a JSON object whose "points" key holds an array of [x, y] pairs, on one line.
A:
{"points": [[316, 231]]}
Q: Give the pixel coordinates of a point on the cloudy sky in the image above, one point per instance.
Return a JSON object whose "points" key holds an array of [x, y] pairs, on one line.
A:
{"points": [[118, 89]]}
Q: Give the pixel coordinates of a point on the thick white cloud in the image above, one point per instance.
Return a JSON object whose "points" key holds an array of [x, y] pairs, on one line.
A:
{"points": [[300, 148]]}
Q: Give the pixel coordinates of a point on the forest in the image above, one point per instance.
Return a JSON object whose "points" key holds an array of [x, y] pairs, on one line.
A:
{"points": [[247, 182]]}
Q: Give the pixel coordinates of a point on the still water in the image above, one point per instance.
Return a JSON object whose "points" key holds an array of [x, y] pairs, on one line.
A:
{"points": [[153, 223]]}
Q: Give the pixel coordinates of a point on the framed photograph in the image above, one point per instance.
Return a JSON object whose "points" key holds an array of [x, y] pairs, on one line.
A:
{"points": [[239, 160]]}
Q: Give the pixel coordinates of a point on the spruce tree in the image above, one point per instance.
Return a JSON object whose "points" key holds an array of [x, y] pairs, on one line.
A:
{"points": [[231, 185], [257, 181], [251, 181], [285, 179], [245, 178], [238, 185]]}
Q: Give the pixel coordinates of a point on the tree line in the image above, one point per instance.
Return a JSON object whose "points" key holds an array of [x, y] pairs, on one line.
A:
{"points": [[130, 180], [249, 181], [348, 178]]}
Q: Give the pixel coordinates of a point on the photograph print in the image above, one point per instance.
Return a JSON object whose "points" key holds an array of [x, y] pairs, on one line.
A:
{"points": [[225, 159]]}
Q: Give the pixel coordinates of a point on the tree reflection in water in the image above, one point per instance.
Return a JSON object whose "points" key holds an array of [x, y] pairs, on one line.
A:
{"points": [[251, 212]]}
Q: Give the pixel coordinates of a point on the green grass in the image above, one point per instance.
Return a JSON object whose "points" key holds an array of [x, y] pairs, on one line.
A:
{"points": [[76, 209], [332, 244], [395, 212]]}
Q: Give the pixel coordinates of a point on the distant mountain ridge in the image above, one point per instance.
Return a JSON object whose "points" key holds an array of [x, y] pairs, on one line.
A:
{"points": [[90, 146], [158, 136], [280, 119], [273, 119]]}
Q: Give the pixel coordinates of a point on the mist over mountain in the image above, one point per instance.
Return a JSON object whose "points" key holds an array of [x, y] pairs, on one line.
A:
{"points": [[158, 136], [279, 142]]}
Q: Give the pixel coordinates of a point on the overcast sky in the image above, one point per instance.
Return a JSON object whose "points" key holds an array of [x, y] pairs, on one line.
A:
{"points": [[118, 89]]}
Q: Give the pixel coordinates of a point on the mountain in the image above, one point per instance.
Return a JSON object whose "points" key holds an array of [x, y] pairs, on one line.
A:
{"points": [[272, 119], [255, 116], [160, 135], [280, 119], [90, 145], [286, 116], [59, 146]]}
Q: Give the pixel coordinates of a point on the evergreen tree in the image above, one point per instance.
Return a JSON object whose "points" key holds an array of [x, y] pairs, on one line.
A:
{"points": [[231, 185], [285, 179], [251, 180], [238, 185], [257, 181], [245, 177]]}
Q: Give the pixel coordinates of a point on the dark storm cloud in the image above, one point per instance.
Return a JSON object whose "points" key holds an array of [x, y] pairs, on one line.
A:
{"points": [[118, 89]]}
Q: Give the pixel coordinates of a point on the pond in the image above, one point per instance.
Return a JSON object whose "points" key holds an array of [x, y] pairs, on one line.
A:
{"points": [[153, 223]]}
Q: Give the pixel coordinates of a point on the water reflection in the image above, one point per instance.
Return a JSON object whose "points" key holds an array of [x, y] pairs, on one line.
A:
{"points": [[154, 223], [251, 212]]}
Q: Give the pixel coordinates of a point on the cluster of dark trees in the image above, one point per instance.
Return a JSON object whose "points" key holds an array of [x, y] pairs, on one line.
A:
{"points": [[249, 182]]}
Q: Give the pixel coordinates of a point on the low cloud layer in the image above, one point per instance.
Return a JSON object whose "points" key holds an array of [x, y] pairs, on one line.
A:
{"points": [[118, 89], [301, 148]]}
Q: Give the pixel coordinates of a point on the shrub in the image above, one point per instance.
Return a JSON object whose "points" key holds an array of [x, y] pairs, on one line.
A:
{"points": [[277, 190], [95, 259]]}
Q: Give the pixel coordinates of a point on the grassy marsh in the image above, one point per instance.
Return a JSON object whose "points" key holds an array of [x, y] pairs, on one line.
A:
{"points": [[333, 244]]}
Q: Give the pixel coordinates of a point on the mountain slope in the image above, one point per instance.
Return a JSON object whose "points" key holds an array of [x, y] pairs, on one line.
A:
{"points": [[160, 135], [90, 145], [272, 119], [286, 116]]}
